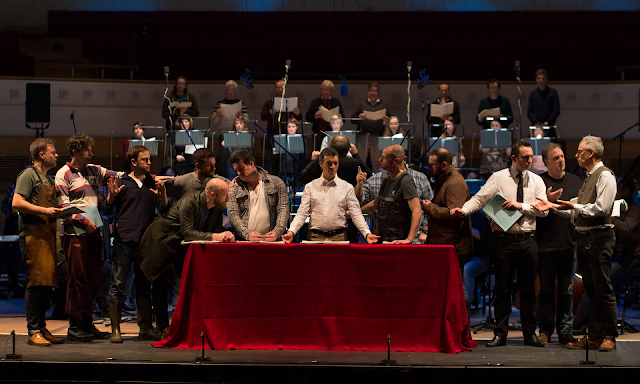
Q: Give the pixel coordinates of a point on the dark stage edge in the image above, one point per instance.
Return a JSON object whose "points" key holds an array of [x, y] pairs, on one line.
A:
{"points": [[137, 361]]}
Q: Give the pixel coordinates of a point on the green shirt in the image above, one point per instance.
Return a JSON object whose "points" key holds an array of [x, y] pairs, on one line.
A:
{"points": [[28, 186]]}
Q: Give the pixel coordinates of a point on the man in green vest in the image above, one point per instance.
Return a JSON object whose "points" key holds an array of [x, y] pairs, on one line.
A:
{"points": [[591, 214]]}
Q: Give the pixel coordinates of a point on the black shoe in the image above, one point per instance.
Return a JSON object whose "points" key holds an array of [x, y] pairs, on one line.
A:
{"points": [[77, 333], [533, 341], [89, 327], [498, 341]]}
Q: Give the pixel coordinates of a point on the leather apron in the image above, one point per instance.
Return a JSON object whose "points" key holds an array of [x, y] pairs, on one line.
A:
{"points": [[40, 236]]}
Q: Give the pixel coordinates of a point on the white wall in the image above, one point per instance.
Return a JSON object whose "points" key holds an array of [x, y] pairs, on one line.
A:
{"points": [[106, 107]]}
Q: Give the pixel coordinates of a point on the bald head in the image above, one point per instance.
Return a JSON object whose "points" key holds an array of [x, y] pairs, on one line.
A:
{"points": [[397, 151], [217, 192], [341, 144]]}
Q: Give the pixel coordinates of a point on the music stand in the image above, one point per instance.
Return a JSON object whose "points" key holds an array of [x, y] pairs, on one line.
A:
{"points": [[537, 145], [292, 143], [351, 135], [451, 144], [182, 137], [234, 140], [384, 142], [549, 130], [495, 138]]}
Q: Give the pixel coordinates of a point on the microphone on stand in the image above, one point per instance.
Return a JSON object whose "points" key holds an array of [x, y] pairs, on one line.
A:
{"points": [[73, 114], [517, 68]]}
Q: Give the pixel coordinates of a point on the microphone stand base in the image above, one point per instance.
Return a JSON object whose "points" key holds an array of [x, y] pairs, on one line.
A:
{"points": [[587, 362], [201, 359], [13, 356], [388, 362]]}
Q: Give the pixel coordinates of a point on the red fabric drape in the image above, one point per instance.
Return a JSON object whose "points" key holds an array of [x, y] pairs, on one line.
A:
{"points": [[321, 297]]}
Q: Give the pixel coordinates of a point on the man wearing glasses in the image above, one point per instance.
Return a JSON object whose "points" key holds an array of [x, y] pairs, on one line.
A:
{"points": [[591, 214]]}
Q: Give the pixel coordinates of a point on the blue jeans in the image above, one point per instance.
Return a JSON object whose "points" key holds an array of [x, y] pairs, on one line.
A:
{"points": [[561, 264], [472, 269]]}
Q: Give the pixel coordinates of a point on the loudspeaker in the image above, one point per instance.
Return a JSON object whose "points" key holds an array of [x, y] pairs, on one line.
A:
{"points": [[38, 104]]}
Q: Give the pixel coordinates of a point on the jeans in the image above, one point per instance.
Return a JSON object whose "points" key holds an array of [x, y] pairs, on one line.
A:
{"points": [[472, 269], [513, 255], [561, 264]]}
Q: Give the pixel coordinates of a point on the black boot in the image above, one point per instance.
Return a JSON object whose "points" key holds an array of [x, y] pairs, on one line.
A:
{"points": [[76, 331], [115, 313], [144, 320], [87, 322]]}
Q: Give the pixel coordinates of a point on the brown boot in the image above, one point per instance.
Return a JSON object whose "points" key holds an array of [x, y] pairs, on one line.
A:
{"points": [[145, 313], [115, 313]]}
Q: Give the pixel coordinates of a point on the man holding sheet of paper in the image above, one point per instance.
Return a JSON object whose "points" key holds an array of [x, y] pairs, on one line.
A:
{"points": [[516, 247], [444, 108], [270, 114], [227, 109], [373, 114], [322, 108], [494, 106]]}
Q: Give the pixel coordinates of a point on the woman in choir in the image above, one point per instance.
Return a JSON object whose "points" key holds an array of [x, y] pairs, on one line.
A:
{"points": [[239, 125], [393, 128], [494, 159], [449, 132]]}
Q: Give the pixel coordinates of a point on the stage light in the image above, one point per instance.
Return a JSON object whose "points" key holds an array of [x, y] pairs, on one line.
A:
{"points": [[344, 87], [423, 79], [245, 79]]}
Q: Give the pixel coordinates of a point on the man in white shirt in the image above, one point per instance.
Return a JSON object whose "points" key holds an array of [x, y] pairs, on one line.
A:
{"points": [[591, 214], [258, 205], [329, 199], [516, 249]]}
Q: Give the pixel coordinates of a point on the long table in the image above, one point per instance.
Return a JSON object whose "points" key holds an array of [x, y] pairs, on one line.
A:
{"points": [[321, 297]]}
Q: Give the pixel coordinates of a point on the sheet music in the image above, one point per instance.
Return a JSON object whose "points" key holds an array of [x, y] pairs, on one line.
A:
{"points": [[184, 104], [290, 103], [377, 115], [619, 207], [488, 112], [231, 109], [326, 113], [439, 110]]}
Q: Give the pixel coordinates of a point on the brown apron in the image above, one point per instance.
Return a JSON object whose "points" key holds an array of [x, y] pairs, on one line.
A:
{"points": [[40, 236]]}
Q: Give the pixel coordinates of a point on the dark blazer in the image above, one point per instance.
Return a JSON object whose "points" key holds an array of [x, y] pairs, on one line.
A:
{"points": [[160, 244]]}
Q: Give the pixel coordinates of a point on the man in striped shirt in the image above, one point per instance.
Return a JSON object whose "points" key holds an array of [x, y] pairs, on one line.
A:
{"points": [[77, 185]]}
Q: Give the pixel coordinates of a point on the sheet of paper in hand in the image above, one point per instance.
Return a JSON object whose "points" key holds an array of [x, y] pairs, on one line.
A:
{"points": [[505, 218], [377, 115]]}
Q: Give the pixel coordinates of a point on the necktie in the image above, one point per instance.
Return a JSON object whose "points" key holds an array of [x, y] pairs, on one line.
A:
{"points": [[520, 195]]}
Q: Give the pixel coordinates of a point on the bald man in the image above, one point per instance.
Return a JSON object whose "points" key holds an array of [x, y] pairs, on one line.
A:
{"points": [[194, 217], [397, 203]]}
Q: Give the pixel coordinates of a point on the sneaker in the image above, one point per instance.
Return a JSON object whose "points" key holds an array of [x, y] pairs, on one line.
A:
{"points": [[91, 328], [77, 333]]}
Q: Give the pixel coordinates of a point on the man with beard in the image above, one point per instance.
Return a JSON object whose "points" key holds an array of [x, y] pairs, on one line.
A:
{"points": [[35, 199]]}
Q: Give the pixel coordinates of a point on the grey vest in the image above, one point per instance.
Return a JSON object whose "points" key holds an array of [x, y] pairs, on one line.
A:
{"points": [[587, 195]]}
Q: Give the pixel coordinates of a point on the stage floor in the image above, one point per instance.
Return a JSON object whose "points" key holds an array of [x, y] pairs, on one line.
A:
{"points": [[129, 361]]}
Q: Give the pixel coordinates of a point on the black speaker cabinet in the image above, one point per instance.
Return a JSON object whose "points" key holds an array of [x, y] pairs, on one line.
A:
{"points": [[38, 104]]}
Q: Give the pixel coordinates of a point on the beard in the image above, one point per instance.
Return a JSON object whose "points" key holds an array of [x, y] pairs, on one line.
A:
{"points": [[221, 204]]}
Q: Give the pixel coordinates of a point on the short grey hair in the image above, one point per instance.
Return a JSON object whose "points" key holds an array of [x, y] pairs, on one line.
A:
{"points": [[232, 82], [594, 143]]}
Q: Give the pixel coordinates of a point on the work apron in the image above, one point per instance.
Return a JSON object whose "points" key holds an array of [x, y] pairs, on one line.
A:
{"points": [[40, 237]]}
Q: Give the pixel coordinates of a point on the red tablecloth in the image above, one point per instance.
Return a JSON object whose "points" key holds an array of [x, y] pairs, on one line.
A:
{"points": [[321, 297]]}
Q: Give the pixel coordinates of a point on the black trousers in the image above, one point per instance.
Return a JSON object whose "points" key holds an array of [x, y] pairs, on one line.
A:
{"points": [[595, 251], [513, 255]]}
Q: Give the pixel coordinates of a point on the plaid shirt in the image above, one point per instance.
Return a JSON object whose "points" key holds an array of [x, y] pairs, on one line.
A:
{"points": [[371, 189], [277, 203]]}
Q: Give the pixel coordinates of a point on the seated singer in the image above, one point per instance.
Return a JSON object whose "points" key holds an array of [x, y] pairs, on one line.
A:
{"points": [[329, 200], [258, 202]]}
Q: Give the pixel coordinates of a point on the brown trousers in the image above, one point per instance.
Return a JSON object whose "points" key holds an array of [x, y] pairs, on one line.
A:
{"points": [[339, 237], [84, 273]]}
